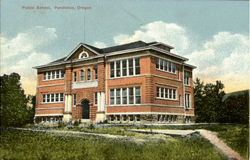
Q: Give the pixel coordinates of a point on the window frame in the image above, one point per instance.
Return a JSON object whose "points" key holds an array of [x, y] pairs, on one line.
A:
{"points": [[166, 91], [129, 96], [82, 75], [125, 68], [165, 65], [89, 76]]}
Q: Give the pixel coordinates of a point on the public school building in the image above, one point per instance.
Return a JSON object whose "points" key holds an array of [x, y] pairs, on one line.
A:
{"points": [[130, 83]]}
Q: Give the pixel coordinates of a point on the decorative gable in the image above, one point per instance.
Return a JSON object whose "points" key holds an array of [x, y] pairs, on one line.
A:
{"points": [[82, 51]]}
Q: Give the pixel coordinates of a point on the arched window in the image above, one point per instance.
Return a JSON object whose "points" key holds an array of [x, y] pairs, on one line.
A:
{"points": [[89, 74], [82, 75], [83, 55]]}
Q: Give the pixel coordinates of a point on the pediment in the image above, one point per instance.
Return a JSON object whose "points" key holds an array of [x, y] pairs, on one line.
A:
{"points": [[82, 51]]}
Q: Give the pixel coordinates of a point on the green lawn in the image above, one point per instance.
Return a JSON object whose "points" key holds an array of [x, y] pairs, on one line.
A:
{"points": [[236, 136], [30, 145]]}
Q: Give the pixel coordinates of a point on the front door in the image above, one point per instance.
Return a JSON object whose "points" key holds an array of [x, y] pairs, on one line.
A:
{"points": [[85, 109]]}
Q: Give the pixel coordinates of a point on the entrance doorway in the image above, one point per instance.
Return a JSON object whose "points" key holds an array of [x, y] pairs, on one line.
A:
{"points": [[85, 109]]}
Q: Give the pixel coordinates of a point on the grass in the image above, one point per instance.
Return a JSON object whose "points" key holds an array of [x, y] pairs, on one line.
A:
{"points": [[30, 145], [235, 136]]}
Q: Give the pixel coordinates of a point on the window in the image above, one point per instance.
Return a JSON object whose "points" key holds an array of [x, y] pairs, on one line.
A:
{"points": [[48, 75], [112, 97], [82, 75], [165, 65], [74, 99], [83, 55], [89, 74], [137, 66], [57, 97], [112, 70], [161, 64], [57, 74], [96, 98], [169, 67], [124, 67], [187, 101], [170, 93], [138, 117], [118, 96], [117, 118], [48, 98], [52, 75], [62, 73], [131, 118], [61, 97], [174, 94], [44, 98], [124, 96], [158, 91], [124, 118], [186, 78], [44, 76], [162, 93], [118, 69], [166, 93], [75, 76], [96, 72], [138, 95], [131, 95], [131, 69], [173, 67], [52, 97], [157, 63]]}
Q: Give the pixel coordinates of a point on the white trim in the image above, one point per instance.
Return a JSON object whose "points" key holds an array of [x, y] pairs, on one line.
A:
{"points": [[52, 85], [83, 52], [164, 84], [77, 47], [43, 115], [145, 104], [50, 108], [159, 43], [146, 113]]}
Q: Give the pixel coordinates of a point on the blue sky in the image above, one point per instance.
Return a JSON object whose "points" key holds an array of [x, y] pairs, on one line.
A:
{"points": [[212, 34]]}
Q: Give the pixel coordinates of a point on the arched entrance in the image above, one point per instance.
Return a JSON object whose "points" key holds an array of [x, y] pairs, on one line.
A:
{"points": [[85, 109]]}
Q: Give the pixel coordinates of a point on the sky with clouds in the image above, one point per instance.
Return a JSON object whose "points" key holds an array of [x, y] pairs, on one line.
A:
{"points": [[214, 34]]}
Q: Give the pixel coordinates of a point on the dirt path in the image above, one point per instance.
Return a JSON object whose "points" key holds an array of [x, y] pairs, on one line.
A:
{"points": [[212, 137]]}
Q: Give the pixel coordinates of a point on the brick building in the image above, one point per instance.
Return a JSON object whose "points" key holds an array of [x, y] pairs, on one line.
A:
{"points": [[134, 82]]}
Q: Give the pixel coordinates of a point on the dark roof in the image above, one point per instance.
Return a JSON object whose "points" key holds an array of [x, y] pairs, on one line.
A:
{"points": [[132, 45], [57, 61], [98, 50]]}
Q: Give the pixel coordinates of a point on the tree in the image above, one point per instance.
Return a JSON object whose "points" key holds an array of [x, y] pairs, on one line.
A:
{"points": [[13, 110], [208, 101], [210, 107]]}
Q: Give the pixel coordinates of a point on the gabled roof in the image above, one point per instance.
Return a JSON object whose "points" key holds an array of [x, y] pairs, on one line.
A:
{"points": [[119, 49]]}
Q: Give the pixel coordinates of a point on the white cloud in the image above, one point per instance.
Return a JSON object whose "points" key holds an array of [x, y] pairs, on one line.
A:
{"points": [[27, 41], [225, 57], [169, 33], [21, 53], [99, 44]]}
